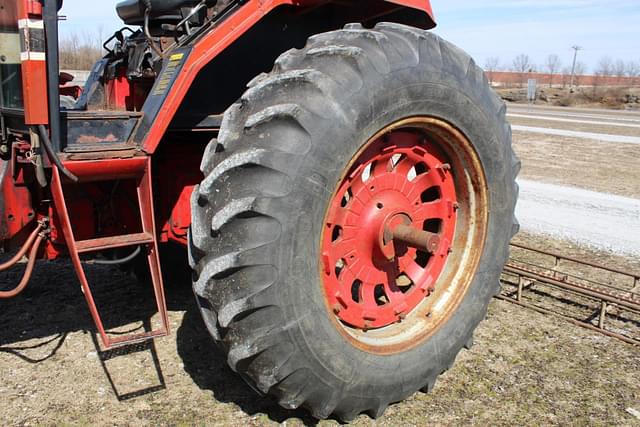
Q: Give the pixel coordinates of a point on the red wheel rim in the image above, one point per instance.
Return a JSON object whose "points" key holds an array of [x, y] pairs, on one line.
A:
{"points": [[398, 177]]}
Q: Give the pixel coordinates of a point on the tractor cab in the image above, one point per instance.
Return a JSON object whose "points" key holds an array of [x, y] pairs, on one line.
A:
{"points": [[10, 73]]}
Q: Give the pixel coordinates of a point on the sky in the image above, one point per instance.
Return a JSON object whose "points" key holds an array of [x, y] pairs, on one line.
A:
{"points": [[489, 28]]}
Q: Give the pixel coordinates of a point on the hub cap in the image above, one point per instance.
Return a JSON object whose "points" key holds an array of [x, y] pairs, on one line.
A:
{"points": [[389, 229]]}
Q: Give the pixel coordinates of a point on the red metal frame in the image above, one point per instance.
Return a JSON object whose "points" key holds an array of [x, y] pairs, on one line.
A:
{"points": [[140, 168], [17, 211]]}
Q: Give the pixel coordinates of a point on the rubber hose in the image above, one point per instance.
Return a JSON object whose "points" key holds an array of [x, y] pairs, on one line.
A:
{"points": [[53, 156], [118, 261]]}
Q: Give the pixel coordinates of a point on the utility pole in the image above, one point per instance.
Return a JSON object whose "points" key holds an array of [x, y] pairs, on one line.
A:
{"points": [[576, 48]]}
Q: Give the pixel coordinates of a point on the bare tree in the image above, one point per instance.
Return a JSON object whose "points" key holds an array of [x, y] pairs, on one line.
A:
{"points": [[633, 71], [620, 69], [81, 51], [490, 66], [522, 65], [553, 65], [565, 76], [604, 69], [605, 66]]}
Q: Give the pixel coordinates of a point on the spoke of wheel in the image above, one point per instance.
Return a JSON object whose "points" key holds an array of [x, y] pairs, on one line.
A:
{"points": [[433, 210], [420, 184]]}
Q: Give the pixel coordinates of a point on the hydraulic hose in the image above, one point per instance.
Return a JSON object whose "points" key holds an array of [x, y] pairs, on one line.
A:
{"points": [[13, 261], [44, 135], [120, 261], [28, 271]]}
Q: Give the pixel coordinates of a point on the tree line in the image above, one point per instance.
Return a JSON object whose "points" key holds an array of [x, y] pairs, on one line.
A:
{"points": [[559, 73], [81, 51]]}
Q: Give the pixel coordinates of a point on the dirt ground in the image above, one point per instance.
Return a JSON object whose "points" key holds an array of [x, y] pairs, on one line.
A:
{"points": [[599, 166], [525, 368]]}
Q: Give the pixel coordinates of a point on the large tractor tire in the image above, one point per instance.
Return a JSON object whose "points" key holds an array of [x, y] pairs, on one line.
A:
{"points": [[354, 220]]}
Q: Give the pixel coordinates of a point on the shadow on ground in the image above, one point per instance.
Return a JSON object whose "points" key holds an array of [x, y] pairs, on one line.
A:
{"points": [[53, 306], [207, 366]]}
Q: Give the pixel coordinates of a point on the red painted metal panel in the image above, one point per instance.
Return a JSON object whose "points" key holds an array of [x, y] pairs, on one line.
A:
{"points": [[15, 205], [9, 15], [101, 170], [34, 66], [424, 5], [119, 96], [34, 89]]}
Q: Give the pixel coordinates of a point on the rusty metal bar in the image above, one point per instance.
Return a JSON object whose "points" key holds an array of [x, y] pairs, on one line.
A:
{"points": [[603, 314], [577, 261], [416, 238], [603, 293], [600, 295], [520, 287]]}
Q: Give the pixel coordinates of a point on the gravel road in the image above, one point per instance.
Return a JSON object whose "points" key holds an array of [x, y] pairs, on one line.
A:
{"points": [[576, 111], [599, 220], [604, 137], [574, 120]]}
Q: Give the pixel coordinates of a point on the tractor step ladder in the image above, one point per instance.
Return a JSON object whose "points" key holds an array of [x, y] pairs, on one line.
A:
{"points": [[138, 168]]}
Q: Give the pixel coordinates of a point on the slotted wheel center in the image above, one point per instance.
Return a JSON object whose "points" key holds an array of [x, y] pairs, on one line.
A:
{"points": [[389, 229]]}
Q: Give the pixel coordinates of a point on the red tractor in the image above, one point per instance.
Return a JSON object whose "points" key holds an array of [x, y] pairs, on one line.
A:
{"points": [[347, 211]]}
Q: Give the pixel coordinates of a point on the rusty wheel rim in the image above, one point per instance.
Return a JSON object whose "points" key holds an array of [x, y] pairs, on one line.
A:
{"points": [[402, 234]]}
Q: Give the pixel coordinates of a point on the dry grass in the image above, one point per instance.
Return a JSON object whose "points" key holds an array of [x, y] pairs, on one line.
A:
{"points": [[599, 166], [612, 97]]}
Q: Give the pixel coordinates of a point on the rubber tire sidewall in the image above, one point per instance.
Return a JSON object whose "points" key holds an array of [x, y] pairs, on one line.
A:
{"points": [[381, 101]]}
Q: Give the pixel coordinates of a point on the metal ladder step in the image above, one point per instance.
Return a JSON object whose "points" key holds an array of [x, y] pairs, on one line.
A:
{"points": [[93, 245], [112, 169]]}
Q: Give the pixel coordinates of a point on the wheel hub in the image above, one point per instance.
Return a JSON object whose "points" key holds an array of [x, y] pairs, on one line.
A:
{"points": [[389, 229]]}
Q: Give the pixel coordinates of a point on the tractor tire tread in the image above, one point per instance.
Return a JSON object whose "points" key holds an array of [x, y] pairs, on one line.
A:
{"points": [[241, 207]]}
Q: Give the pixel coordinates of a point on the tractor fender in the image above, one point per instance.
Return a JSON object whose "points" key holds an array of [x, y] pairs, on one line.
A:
{"points": [[423, 5], [182, 68]]}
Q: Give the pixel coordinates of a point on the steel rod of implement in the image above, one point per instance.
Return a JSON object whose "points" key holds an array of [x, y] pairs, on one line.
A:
{"points": [[623, 302], [577, 261], [603, 314], [571, 320], [600, 292], [565, 276]]}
